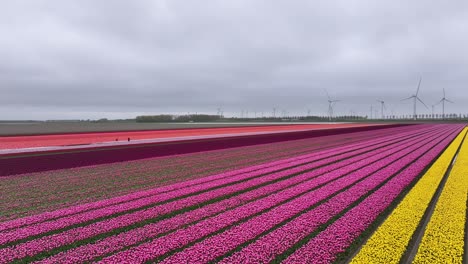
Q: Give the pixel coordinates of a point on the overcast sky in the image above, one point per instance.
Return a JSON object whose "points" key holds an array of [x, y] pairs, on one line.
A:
{"points": [[117, 59]]}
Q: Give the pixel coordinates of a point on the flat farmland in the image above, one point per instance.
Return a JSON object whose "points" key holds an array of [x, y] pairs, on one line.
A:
{"points": [[25, 158], [30, 193], [391, 195], [32, 141], [62, 127]]}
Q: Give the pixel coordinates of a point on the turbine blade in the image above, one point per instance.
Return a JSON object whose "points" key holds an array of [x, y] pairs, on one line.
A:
{"points": [[328, 96], [419, 86], [444, 92], [384, 106], [407, 98], [449, 101], [422, 102]]}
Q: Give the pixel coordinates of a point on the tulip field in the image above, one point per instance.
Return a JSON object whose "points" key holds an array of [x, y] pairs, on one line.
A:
{"points": [[394, 195], [31, 141]]}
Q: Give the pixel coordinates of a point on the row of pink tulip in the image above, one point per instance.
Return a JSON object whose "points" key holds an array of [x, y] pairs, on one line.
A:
{"points": [[118, 179], [142, 166], [280, 240], [70, 236], [326, 246], [110, 244], [90, 206], [163, 245], [232, 238], [158, 196]]}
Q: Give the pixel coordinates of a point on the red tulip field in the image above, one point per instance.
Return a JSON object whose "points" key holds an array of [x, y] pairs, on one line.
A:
{"points": [[390, 195], [16, 142]]}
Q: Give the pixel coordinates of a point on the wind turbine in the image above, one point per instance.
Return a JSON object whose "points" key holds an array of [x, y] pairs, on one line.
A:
{"points": [[443, 100], [330, 106], [415, 99], [382, 106], [219, 111]]}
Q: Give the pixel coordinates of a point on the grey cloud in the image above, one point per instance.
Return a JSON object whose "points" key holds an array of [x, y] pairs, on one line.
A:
{"points": [[61, 59]]}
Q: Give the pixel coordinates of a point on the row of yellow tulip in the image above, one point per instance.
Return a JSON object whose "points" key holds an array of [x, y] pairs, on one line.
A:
{"points": [[389, 242], [443, 239]]}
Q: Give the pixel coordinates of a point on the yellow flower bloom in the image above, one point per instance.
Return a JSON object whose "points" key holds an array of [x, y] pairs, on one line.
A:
{"points": [[389, 242], [443, 240]]}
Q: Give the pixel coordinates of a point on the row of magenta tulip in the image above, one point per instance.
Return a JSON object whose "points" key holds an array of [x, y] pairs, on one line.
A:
{"points": [[284, 237], [339, 236], [128, 170], [295, 186], [161, 246], [70, 186], [118, 204], [280, 240], [55, 240], [391, 240]]}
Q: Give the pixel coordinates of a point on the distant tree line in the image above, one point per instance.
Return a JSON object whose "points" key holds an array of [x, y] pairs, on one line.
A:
{"points": [[217, 118], [298, 118], [167, 118], [451, 116], [178, 118], [155, 118]]}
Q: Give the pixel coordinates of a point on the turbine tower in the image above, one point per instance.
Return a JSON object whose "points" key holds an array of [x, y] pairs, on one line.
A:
{"points": [[330, 106], [382, 106], [219, 111], [443, 100], [415, 99]]}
